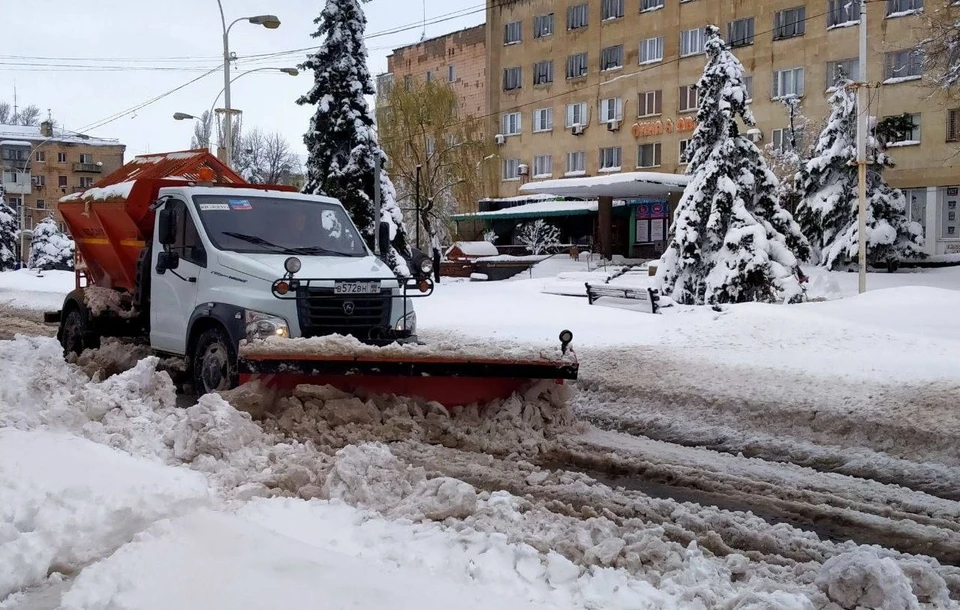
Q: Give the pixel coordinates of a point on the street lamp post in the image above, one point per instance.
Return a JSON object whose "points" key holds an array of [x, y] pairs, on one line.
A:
{"points": [[271, 22]]}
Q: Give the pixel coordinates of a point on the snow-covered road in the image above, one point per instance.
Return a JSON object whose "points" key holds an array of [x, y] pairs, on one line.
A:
{"points": [[740, 459]]}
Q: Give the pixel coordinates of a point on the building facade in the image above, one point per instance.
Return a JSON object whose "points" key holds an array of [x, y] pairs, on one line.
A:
{"points": [[586, 88], [42, 163], [459, 58]]}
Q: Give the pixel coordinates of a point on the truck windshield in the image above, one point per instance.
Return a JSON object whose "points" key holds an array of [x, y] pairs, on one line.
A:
{"points": [[274, 224]]}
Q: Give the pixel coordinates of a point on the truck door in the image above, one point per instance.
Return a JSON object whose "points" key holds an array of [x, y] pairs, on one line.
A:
{"points": [[173, 294]]}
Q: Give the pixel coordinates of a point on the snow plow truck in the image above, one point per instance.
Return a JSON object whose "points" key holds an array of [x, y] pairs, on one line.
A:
{"points": [[178, 251]]}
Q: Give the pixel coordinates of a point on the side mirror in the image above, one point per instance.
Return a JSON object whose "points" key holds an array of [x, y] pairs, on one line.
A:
{"points": [[167, 261], [167, 227], [384, 240]]}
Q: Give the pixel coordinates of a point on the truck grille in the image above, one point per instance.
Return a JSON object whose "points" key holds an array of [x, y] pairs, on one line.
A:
{"points": [[322, 313]]}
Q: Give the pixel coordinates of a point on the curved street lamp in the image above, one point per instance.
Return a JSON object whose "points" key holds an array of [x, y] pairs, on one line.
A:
{"points": [[271, 22]]}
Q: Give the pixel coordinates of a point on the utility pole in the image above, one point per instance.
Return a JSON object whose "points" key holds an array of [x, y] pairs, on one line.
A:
{"points": [[862, 126]]}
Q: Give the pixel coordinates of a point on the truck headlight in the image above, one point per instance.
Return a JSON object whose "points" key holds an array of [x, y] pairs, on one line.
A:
{"points": [[426, 266], [408, 322], [262, 325]]}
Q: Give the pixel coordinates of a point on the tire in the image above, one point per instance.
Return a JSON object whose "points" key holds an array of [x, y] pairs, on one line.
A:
{"points": [[214, 363], [77, 334]]}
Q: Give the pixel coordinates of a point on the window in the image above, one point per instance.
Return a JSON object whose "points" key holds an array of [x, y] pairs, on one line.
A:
{"points": [[512, 78], [953, 125], [511, 169], [783, 140], [543, 119], [451, 74], [186, 238], [431, 146], [512, 32], [789, 23], [543, 26], [649, 5], [429, 76], [62, 182], [908, 136], [916, 206], [543, 72], [842, 12], [651, 50], [576, 163], [898, 8], [40, 156], [903, 65], [648, 155], [86, 158], [542, 166], [611, 57], [611, 9], [577, 17], [684, 158], [691, 41], [650, 103], [576, 114], [407, 82], [787, 83], [41, 204], [611, 109], [40, 180], [688, 98], [511, 124], [740, 32], [850, 67], [62, 158], [748, 85], [610, 159], [86, 182], [577, 65]]}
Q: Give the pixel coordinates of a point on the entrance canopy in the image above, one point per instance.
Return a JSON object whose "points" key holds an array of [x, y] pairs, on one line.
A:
{"points": [[628, 185]]}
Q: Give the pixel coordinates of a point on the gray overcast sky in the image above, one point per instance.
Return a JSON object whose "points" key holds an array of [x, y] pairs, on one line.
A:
{"points": [[106, 56]]}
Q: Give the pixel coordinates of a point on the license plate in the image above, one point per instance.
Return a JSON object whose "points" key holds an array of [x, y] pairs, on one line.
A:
{"points": [[356, 287]]}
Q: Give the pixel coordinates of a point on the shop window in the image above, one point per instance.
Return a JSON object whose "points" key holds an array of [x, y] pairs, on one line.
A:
{"points": [[916, 210], [949, 223]]}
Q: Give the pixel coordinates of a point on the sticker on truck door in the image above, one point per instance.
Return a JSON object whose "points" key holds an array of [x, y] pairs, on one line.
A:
{"points": [[206, 207], [240, 204]]}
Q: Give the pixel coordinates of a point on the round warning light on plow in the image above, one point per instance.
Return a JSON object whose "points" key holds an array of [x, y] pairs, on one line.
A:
{"points": [[292, 265], [566, 337], [282, 288], [426, 266], [424, 286]]}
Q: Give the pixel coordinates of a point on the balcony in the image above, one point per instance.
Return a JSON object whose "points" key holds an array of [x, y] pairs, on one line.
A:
{"points": [[88, 168]]}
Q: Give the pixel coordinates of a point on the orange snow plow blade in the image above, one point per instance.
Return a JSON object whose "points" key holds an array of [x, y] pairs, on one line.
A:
{"points": [[449, 379]]}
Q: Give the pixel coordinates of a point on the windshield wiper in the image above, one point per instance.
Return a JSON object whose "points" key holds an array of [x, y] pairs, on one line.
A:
{"points": [[253, 239], [319, 250]]}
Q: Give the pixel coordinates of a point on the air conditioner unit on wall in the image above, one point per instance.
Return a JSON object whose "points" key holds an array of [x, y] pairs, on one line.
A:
{"points": [[499, 139], [613, 125], [578, 129], [755, 135], [524, 169]]}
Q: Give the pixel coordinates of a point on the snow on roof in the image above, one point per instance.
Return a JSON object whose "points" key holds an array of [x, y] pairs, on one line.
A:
{"points": [[475, 248], [531, 198], [120, 190], [15, 143], [624, 185], [32, 134], [539, 210]]}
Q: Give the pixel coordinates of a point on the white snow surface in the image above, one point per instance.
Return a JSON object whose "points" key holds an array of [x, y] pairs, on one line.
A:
{"points": [[120, 190], [474, 248]]}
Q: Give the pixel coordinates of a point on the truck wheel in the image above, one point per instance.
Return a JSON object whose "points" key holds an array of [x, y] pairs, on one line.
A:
{"points": [[214, 363], [77, 335]]}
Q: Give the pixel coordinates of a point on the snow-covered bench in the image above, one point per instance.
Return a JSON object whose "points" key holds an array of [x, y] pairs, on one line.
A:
{"points": [[638, 299]]}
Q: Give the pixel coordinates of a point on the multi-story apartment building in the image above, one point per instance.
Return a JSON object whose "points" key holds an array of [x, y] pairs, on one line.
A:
{"points": [[42, 163], [589, 87], [458, 58]]}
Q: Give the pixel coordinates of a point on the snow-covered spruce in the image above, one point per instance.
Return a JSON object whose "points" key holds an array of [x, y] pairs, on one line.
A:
{"points": [[342, 142], [50, 249], [731, 241], [828, 184], [8, 235]]}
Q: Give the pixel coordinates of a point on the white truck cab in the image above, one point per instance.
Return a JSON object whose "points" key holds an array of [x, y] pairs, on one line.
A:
{"points": [[230, 264]]}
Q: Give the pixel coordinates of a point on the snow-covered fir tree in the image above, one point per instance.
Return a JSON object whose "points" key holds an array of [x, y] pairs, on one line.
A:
{"points": [[8, 235], [731, 241], [828, 182], [50, 249], [341, 141]]}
